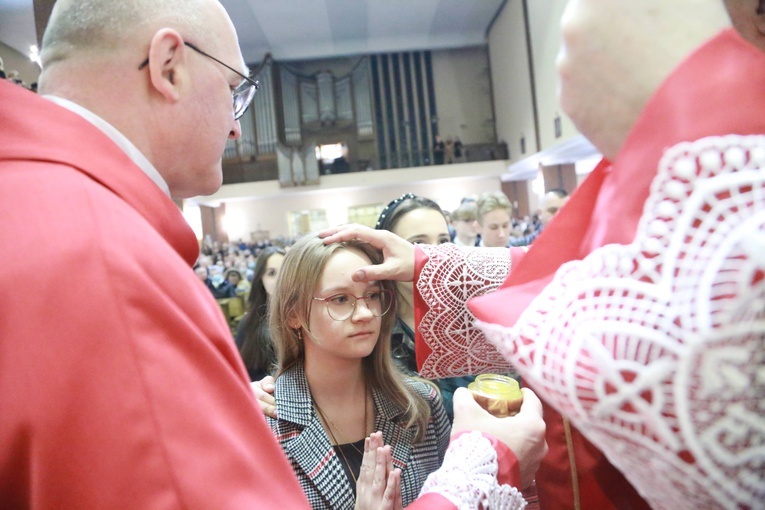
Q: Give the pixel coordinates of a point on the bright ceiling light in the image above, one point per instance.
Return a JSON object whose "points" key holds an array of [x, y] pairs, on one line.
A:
{"points": [[34, 55]]}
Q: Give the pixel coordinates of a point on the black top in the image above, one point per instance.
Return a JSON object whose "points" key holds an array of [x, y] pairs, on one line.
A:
{"points": [[351, 455], [402, 347]]}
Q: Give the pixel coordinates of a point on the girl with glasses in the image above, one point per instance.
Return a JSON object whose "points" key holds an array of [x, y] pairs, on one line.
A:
{"points": [[336, 383]]}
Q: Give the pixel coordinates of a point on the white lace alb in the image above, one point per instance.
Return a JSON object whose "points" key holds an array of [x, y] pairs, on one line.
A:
{"points": [[449, 328], [468, 477], [656, 349]]}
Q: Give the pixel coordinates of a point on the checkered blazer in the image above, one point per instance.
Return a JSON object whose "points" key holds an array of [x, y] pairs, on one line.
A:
{"points": [[320, 471]]}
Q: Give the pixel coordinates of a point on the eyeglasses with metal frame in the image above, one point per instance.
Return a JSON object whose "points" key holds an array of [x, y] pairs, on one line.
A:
{"points": [[341, 307], [242, 95]]}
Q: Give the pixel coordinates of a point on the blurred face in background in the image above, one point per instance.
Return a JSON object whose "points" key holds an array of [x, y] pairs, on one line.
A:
{"points": [[201, 273], [423, 226], [465, 230], [420, 226], [550, 207], [495, 227], [272, 272]]}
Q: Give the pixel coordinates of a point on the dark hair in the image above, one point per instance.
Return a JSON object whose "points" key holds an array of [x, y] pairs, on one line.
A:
{"points": [[402, 205], [253, 337], [761, 8], [233, 270]]}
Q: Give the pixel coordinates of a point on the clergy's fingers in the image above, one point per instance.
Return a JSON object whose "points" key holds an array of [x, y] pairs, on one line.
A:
{"points": [[531, 403], [523, 433], [263, 391], [352, 232], [398, 253]]}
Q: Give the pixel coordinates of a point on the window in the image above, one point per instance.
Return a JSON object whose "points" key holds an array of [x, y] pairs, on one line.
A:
{"points": [[328, 153]]}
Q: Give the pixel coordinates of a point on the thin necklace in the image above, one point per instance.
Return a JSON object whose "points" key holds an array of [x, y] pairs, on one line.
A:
{"points": [[330, 425]]}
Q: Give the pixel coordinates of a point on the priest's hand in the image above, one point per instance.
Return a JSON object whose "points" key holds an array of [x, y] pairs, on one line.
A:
{"points": [[523, 433], [398, 253]]}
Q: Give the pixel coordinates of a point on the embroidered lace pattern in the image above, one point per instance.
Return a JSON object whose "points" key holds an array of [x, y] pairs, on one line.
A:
{"points": [[450, 277], [656, 350], [468, 477]]}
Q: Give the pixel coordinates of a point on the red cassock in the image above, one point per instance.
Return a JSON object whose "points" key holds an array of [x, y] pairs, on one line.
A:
{"points": [[120, 385], [638, 312]]}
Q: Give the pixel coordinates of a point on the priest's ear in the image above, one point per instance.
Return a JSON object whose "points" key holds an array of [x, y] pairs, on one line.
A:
{"points": [[167, 66]]}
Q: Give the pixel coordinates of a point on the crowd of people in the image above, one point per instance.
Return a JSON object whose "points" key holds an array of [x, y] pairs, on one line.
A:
{"points": [[490, 220], [636, 314], [228, 268]]}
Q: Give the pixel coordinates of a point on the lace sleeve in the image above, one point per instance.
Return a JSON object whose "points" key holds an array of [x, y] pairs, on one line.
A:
{"points": [[450, 277], [656, 349], [468, 477]]}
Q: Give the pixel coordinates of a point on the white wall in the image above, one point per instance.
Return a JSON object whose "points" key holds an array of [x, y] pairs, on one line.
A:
{"points": [[510, 80], [463, 94], [544, 22], [265, 206], [462, 84], [12, 59]]}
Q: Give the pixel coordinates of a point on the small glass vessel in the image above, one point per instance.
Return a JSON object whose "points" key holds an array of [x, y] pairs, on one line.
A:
{"points": [[498, 394]]}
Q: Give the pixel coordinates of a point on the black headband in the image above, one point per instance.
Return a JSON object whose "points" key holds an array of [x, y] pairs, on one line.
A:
{"points": [[392, 207]]}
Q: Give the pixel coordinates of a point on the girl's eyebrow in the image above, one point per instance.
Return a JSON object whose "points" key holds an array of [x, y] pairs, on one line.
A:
{"points": [[346, 289]]}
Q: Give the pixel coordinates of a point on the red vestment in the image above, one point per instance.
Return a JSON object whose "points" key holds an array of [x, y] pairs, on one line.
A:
{"points": [[120, 385], [661, 278]]}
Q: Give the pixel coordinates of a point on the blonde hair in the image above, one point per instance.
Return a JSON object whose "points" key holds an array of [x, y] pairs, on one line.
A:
{"points": [[292, 300], [491, 202], [465, 212]]}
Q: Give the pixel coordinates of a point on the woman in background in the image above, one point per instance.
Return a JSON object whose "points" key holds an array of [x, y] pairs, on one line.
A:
{"points": [[252, 337], [419, 220]]}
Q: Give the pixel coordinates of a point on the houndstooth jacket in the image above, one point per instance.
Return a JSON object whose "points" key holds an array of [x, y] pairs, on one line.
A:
{"points": [[320, 471]]}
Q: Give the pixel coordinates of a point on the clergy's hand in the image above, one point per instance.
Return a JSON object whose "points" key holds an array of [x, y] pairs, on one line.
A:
{"points": [[264, 392], [523, 433], [379, 485], [398, 253]]}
